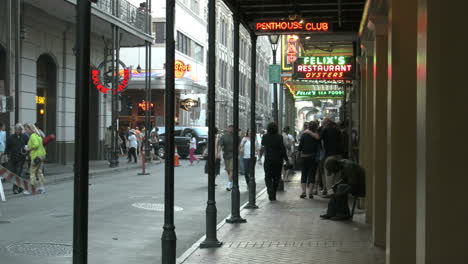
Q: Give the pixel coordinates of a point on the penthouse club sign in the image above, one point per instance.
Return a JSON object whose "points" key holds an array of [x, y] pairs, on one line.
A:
{"points": [[323, 68], [291, 27]]}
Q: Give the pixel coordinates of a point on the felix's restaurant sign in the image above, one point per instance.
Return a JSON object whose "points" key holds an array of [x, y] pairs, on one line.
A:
{"points": [[323, 68], [289, 27]]}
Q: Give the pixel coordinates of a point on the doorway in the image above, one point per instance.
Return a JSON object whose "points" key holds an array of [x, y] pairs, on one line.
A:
{"points": [[46, 101]]}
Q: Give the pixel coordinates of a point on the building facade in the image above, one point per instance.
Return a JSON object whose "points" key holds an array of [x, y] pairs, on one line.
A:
{"points": [[191, 52], [225, 73], [46, 93]]}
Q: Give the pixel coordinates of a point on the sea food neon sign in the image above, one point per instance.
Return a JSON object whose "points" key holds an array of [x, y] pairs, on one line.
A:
{"points": [[323, 68], [269, 27], [327, 94]]}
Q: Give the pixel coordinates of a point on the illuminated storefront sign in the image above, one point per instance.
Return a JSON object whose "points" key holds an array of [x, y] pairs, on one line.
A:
{"points": [[143, 105], [40, 100], [297, 27], [103, 76], [323, 68], [291, 50], [181, 68], [188, 104], [329, 94]]}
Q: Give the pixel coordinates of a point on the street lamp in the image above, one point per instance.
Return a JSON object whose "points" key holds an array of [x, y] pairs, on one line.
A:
{"points": [[274, 47]]}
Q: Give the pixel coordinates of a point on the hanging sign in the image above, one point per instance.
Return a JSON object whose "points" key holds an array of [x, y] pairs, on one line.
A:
{"points": [[274, 73], [143, 105], [323, 68], [188, 104], [102, 79], [328, 94], [290, 27], [181, 68]]}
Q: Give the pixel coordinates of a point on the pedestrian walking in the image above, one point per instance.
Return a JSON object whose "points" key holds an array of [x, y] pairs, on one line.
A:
{"points": [[132, 145], [218, 151], [244, 150], [15, 149], [3, 139], [309, 146], [288, 142], [193, 148], [154, 141], [37, 155], [227, 145], [275, 153], [108, 144], [332, 143]]}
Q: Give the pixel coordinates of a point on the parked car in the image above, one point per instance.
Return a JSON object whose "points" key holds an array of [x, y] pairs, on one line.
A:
{"points": [[182, 136]]}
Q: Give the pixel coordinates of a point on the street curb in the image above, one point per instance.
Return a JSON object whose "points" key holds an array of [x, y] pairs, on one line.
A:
{"points": [[196, 245]]}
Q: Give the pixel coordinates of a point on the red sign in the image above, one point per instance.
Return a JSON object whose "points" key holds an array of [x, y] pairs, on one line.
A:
{"points": [[269, 27], [95, 76], [181, 68]]}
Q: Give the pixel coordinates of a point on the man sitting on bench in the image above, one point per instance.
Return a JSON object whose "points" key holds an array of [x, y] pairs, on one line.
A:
{"points": [[352, 181]]}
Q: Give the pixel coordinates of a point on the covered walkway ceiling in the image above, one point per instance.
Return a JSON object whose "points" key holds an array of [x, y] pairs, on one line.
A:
{"points": [[343, 15]]}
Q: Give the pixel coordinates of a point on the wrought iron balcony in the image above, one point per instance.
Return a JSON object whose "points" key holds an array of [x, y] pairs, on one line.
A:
{"points": [[136, 17]]}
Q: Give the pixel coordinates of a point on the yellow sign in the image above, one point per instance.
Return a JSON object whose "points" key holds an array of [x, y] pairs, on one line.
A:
{"points": [[40, 100]]}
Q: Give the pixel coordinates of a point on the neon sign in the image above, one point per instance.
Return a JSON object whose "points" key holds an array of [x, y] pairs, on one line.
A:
{"points": [[290, 50], [269, 27], [329, 94], [95, 76], [188, 104], [40, 100], [145, 105], [181, 68], [323, 68]]}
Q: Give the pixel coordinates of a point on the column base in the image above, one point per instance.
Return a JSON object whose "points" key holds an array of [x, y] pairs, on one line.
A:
{"points": [[211, 244], [141, 173], [251, 206], [236, 220]]}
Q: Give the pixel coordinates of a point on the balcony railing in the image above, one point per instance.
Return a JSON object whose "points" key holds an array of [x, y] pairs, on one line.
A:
{"points": [[125, 11]]}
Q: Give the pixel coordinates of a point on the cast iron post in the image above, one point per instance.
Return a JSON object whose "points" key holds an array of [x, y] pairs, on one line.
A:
{"points": [[169, 238], [235, 194], [148, 45], [211, 241], [17, 58], [81, 180], [8, 49], [253, 125], [275, 94]]}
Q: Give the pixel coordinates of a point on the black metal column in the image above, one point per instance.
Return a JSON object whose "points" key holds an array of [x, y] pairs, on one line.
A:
{"points": [[253, 125], [148, 45], [275, 95], [169, 238], [8, 48], [235, 194], [82, 90], [114, 96], [211, 240], [17, 57]]}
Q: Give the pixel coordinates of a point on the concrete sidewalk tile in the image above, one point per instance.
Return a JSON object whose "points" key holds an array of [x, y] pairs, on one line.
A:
{"points": [[291, 231]]}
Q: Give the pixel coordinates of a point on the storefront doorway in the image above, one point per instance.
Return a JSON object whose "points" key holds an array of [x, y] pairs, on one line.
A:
{"points": [[46, 101]]}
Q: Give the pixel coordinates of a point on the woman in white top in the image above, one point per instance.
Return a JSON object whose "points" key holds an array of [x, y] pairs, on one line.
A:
{"points": [[132, 145], [193, 147], [245, 153]]}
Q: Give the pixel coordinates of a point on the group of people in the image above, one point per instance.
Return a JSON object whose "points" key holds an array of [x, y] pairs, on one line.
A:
{"points": [[24, 147]]}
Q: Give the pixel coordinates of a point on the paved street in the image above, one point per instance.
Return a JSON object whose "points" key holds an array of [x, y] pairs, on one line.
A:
{"points": [[125, 217]]}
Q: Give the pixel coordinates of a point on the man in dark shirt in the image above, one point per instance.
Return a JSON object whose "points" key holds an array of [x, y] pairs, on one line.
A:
{"points": [[275, 153], [15, 148], [353, 181], [332, 144]]}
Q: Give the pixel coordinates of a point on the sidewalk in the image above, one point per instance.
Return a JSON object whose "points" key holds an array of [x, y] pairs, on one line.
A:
{"points": [[290, 231], [56, 172]]}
